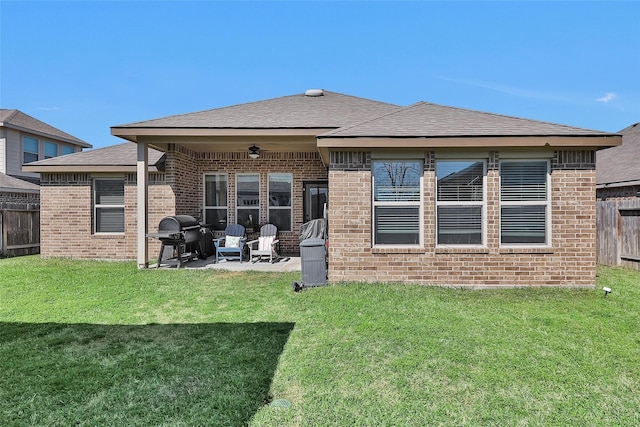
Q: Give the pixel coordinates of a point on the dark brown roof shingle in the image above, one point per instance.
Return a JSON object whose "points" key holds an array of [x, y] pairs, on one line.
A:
{"points": [[330, 110], [621, 164], [15, 185], [115, 155], [431, 120]]}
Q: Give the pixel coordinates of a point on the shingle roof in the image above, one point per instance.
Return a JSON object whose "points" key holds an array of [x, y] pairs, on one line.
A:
{"points": [[330, 110], [18, 120], [431, 120], [124, 154], [9, 183], [620, 164]]}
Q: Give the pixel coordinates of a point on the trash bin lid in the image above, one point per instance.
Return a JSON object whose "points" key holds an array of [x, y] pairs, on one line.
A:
{"points": [[312, 242]]}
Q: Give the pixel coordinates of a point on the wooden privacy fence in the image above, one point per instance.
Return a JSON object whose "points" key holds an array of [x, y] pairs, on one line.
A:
{"points": [[19, 232], [618, 233]]}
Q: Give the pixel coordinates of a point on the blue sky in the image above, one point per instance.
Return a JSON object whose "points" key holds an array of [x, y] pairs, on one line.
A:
{"points": [[83, 66]]}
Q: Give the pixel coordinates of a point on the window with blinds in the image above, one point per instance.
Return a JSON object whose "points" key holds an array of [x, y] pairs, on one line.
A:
{"points": [[108, 205], [397, 196], [524, 202], [460, 202]]}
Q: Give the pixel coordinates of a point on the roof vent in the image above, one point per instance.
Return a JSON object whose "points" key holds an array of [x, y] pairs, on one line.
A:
{"points": [[314, 92]]}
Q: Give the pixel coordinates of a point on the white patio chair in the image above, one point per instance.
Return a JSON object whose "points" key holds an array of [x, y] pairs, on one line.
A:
{"points": [[265, 245]]}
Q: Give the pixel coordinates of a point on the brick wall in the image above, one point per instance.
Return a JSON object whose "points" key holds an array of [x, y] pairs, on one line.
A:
{"points": [[66, 222], [570, 261], [186, 169]]}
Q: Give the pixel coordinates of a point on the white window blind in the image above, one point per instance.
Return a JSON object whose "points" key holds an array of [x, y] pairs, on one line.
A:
{"points": [[460, 202], [108, 205], [397, 200], [522, 181], [525, 204]]}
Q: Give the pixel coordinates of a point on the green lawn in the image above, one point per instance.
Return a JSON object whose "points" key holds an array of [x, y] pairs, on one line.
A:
{"points": [[103, 344]]}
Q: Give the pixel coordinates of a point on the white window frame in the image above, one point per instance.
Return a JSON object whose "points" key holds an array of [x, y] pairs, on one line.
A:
{"points": [[239, 207], [290, 208], [24, 149], [97, 207], [206, 207], [67, 149], [482, 203], [546, 203], [398, 204], [51, 144]]}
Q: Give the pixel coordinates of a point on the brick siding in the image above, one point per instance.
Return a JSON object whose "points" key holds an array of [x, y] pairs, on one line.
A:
{"points": [[570, 261], [66, 222], [304, 166]]}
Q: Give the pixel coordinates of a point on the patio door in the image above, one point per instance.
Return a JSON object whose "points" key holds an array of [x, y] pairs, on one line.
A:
{"points": [[316, 195]]}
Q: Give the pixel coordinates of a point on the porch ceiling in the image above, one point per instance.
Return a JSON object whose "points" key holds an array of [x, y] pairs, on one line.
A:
{"points": [[235, 144]]}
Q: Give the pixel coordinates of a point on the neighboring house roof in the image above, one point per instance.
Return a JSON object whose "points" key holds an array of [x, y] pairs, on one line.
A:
{"points": [[115, 158], [620, 166], [10, 184], [431, 120], [16, 119], [329, 110]]}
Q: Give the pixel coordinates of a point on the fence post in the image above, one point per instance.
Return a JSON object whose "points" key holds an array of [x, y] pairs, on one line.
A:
{"points": [[3, 235]]}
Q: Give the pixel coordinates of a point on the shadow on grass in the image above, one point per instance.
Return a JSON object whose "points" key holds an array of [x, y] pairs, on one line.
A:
{"points": [[187, 374]]}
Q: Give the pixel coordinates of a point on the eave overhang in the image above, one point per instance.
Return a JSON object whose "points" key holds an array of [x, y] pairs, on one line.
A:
{"points": [[327, 144], [631, 183], [134, 133]]}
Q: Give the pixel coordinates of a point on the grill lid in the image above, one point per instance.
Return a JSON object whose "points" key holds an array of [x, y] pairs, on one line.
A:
{"points": [[177, 223]]}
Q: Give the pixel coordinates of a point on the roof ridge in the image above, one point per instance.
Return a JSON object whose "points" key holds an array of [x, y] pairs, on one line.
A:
{"points": [[13, 113], [400, 108]]}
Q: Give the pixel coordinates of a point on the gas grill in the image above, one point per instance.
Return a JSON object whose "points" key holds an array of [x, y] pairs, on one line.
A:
{"points": [[185, 236]]}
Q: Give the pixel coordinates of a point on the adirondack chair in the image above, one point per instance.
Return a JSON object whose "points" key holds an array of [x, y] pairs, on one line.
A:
{"points": [[231, 246], [265, 245]]}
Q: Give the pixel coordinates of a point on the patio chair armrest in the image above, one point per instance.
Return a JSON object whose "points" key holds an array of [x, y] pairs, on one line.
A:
{"points": [[275, 242], [252, 242]]}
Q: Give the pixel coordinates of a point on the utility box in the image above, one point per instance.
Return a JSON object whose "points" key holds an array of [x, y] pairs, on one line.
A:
{"points": [[313, 258]]}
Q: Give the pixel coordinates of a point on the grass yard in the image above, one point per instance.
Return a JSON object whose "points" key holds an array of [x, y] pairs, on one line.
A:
{"points": [[103, 344]]}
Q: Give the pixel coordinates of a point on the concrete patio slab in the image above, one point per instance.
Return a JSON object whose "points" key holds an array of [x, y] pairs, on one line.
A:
{"points": [[285, 264]]}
